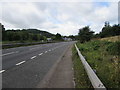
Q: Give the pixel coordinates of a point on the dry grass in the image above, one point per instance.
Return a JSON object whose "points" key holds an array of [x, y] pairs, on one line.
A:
{"points": [[111, 39]]}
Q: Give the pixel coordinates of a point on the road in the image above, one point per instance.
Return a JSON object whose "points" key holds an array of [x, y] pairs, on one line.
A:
{"points": [[25, 67]]}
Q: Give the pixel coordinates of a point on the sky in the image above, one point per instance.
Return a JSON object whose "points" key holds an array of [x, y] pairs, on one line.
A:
{"points": [[64, 17]]}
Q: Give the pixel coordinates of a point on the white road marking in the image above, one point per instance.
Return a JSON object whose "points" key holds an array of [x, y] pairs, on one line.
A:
{"points": [[40, 54], [46, 51], [20, 62], [72, 69], [2, 71], [33, 57], [17, 52], [49, 50], [34, 48], [9, 53]]}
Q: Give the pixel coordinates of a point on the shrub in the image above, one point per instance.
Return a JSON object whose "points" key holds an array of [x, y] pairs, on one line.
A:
{"points": [[113, 48]]}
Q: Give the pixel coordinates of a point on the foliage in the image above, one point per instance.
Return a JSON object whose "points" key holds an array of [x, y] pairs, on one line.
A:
{"points": [[103, 57], [108, 30], [114, 48], [58, 37], [25, 35], [81, 78], [85, 34]]}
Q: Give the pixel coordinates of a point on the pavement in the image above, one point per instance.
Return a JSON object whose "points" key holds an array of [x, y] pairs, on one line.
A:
{"points": [[27, 67]]}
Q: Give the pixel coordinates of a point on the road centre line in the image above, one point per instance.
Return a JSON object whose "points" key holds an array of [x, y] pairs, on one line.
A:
{"points": [[33, 57], [46, 51], [20, 62], [40, 54], [49, 50], [2, 71]]}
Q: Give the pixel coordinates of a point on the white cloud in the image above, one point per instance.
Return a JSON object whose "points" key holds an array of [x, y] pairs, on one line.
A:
{"points": [[58, 17]]}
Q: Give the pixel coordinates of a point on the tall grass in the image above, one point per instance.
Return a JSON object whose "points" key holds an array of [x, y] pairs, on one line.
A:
{"points": [[103, 56]]}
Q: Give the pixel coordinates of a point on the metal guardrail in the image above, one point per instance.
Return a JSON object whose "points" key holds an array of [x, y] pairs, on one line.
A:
{"points": [[96, 83]]}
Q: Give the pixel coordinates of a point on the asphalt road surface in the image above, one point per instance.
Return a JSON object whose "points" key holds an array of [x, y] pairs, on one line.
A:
{"points": [[25, 67]]}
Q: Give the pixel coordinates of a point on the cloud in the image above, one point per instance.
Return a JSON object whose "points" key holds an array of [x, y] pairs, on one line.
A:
{"points": [[59, 17]]}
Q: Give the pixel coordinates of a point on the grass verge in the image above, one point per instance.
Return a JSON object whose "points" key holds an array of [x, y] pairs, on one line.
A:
{"points": [[104, 57], [81, 78]]}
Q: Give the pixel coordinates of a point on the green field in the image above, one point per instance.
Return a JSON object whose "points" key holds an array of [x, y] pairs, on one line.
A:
{"points": [[103, 56]]}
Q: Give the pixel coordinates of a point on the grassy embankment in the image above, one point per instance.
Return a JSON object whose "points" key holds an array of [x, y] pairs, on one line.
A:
{"points": [[81, 78], [103, 56]]}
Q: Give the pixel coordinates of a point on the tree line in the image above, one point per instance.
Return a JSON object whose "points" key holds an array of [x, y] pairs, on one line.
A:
{"points": [[85, 34], [28, 35], [21, 35]]}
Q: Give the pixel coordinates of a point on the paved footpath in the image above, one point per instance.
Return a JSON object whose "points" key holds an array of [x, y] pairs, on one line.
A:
{"points": [[62, 74]]}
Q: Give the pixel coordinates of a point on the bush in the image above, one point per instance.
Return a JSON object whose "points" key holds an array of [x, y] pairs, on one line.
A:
{"points": [[113, 48]]}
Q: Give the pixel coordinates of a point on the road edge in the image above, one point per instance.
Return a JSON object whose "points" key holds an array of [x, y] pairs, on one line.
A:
{"points": [[45, 81]]}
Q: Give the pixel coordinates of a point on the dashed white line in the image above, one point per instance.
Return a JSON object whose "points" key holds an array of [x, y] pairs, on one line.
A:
{"points": [[52, 49], [20, 62], [46, 51], [2, 71], [17, 52], [49, 50], [33, 57], [40, 54]]}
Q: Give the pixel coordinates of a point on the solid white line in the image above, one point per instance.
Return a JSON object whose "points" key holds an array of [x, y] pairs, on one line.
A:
{"points": [[33, 48], [20, 63], [9, 53], [2, 71], [33, 57], [40, 53]]}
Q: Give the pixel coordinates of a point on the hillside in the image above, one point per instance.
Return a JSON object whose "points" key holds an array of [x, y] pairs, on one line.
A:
{"points": [[34, 31], [111, 39]]}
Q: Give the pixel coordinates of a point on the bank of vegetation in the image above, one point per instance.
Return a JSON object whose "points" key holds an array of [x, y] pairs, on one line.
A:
{"points": [[102, 52], [103, 57]]}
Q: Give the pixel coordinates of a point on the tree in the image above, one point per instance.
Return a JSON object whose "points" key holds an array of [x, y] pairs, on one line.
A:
{"points": [[3, 32], [108, 30], [116, 29], [58, 37], [72, 37], [85, 34], [10, 35]]}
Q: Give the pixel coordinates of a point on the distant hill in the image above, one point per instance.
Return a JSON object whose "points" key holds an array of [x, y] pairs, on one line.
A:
{"points": [[34, 31], [44, 33]]}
